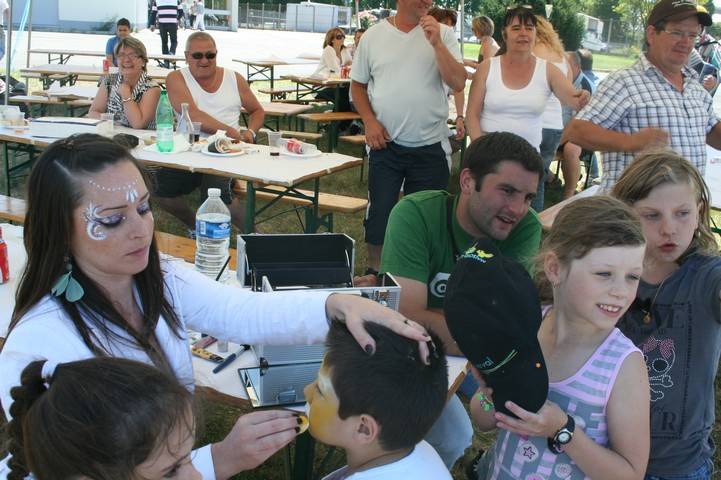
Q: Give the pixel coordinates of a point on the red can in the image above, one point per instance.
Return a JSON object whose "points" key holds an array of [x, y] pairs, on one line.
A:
{"points": [[345, 71], [294, 146], [106, 65], [4, 266]]}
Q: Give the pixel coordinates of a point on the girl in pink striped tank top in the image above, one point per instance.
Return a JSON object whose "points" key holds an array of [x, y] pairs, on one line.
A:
{"points": [[595, 423]]}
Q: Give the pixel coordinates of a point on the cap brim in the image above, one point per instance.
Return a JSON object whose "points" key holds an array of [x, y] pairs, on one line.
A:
{"points": [[703, 18]]}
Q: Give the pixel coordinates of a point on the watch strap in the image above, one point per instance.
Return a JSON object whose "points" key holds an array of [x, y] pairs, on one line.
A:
{"points": [[554, 443]]}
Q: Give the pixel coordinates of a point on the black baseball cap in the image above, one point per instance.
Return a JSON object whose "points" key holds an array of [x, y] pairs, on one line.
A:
{"points": [[493, 313], [678, 10]]}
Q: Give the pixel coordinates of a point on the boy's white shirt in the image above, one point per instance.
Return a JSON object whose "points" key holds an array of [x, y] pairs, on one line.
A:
{"points": [[423, 463]]}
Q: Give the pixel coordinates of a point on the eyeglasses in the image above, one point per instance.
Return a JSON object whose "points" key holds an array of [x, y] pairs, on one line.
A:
{"points": [[129, 56], [207, 55], [678, 35], [340, 37]]}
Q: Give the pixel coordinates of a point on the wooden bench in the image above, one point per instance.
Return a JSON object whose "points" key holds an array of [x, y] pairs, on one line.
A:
{"points": [[14, 209], [281, 93], [331, 118], [327, 202], [356, 140], [43, 102]]}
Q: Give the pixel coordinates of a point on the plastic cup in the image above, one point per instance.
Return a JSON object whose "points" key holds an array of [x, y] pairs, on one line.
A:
{"points": [[107, 125], [196, 130], [274, 142]]}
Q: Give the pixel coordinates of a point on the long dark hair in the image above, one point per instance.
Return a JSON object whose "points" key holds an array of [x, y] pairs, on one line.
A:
{"points": [[54, 192], [97, 418]]}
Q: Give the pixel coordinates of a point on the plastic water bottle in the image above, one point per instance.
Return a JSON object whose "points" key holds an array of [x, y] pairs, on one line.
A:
{"points": [[164, 123], [185, 123], [212, 236]]}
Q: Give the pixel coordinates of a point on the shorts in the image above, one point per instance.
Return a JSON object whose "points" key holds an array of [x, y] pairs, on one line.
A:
{"points": [[170, 183]]}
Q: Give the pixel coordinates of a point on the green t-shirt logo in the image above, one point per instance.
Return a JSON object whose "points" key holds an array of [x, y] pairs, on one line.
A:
{"points": [[438, 284]]}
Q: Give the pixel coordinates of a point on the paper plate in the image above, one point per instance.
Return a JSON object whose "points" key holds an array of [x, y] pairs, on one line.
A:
{"points": [[317, 153], [214, 154]]}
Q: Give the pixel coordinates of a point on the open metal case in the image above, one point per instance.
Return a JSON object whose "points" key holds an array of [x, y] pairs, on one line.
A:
{"points": [[322, 261]]}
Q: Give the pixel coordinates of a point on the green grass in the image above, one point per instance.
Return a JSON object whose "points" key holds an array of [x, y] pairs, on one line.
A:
{"points": [[218, 419], [601, 61]]}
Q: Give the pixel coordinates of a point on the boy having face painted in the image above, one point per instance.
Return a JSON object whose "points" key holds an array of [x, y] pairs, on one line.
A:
{"points": [[379, 407]]}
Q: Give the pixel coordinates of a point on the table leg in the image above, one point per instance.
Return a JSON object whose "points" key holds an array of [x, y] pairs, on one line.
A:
{"points": [[304, 453], [249, 208], [336, 93], [7, 168], [312, 220], [272, 75]]}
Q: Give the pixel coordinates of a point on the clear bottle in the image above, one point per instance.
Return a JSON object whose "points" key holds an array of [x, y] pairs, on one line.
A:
{"points": [[185, 123], [212, 234], [164, 123]]}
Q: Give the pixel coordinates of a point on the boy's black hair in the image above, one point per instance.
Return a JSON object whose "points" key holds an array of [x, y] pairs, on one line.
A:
{"points": [[403, 394], [485, 153], [123, 21]]}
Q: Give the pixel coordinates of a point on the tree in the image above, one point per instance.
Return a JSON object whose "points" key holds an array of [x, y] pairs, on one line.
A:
{"points": [[634, 14]]}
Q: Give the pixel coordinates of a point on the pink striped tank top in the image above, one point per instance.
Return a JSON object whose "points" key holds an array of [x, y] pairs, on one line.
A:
{"points": [[584, 396]]}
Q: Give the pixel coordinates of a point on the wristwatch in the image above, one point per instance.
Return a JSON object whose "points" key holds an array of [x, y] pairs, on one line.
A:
{"points": [[562, 437], [252, 132]]}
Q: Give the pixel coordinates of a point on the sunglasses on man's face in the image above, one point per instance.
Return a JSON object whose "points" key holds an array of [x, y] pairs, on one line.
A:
{"points": [[207, 55], [340, 37]]}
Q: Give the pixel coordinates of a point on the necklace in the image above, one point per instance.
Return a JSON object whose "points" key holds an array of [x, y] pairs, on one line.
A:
{"points": [[647, 316]]}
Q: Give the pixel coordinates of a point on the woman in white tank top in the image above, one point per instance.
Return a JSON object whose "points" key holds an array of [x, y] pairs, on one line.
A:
{"points": [[509, 91]]}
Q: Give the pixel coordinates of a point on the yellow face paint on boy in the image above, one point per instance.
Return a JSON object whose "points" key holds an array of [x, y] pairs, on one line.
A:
{"points": [[323, 407]]}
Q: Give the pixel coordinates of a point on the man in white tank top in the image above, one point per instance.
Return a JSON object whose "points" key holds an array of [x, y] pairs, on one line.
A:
{"points": [[215, 96]]}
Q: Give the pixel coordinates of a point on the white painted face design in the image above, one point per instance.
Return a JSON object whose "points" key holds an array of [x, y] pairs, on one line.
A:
{"points": [[131, 192], [94, 222]]}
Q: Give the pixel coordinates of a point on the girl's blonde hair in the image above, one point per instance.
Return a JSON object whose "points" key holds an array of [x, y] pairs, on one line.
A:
{"points": [[654, 168], [482, 25], [583, 225], [547, 36], [330, 35]]}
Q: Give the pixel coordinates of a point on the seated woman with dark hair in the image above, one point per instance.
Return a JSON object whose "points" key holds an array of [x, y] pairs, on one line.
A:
{"points": [[95, 285], [130, 94]]}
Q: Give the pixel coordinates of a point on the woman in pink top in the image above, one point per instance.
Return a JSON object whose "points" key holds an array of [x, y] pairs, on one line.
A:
{"points": [[595, 422]]}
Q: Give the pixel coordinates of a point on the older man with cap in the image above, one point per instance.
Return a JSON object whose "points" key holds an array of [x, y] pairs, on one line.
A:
{"points": [[655, 101]]}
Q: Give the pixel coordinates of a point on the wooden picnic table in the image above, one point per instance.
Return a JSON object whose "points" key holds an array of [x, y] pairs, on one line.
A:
{"points": [[264, 69], [310, 87], [61, 55], [256, 168], [279, 110], [68, 74]]}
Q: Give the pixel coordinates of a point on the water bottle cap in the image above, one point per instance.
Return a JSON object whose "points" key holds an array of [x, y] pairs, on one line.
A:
{"points": [[214, 192]]}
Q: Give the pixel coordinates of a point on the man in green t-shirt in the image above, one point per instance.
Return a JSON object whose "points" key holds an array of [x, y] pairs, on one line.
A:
{"points": [[498, 180], [428, 230]]}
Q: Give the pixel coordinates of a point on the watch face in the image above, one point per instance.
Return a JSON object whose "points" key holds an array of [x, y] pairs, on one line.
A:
{"points": [[563, 437]]}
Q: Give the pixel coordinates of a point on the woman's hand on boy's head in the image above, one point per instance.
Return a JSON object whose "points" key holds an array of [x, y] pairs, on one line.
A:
{"points": [[354, 310], [549, 419]]}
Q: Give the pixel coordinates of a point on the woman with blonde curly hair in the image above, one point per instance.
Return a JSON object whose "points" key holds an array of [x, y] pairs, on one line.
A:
{"points": [[550, 48]]}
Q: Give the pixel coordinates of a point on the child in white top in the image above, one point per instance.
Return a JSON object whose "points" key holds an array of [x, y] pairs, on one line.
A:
{"points": [[378, 408]]}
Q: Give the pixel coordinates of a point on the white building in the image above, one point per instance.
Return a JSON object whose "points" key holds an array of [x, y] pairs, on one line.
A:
{"points": [[102, 14]]}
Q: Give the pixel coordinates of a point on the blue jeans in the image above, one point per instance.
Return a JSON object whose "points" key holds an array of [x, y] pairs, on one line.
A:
{"points": [[549, 144], [452, 432], [703, 472]]}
